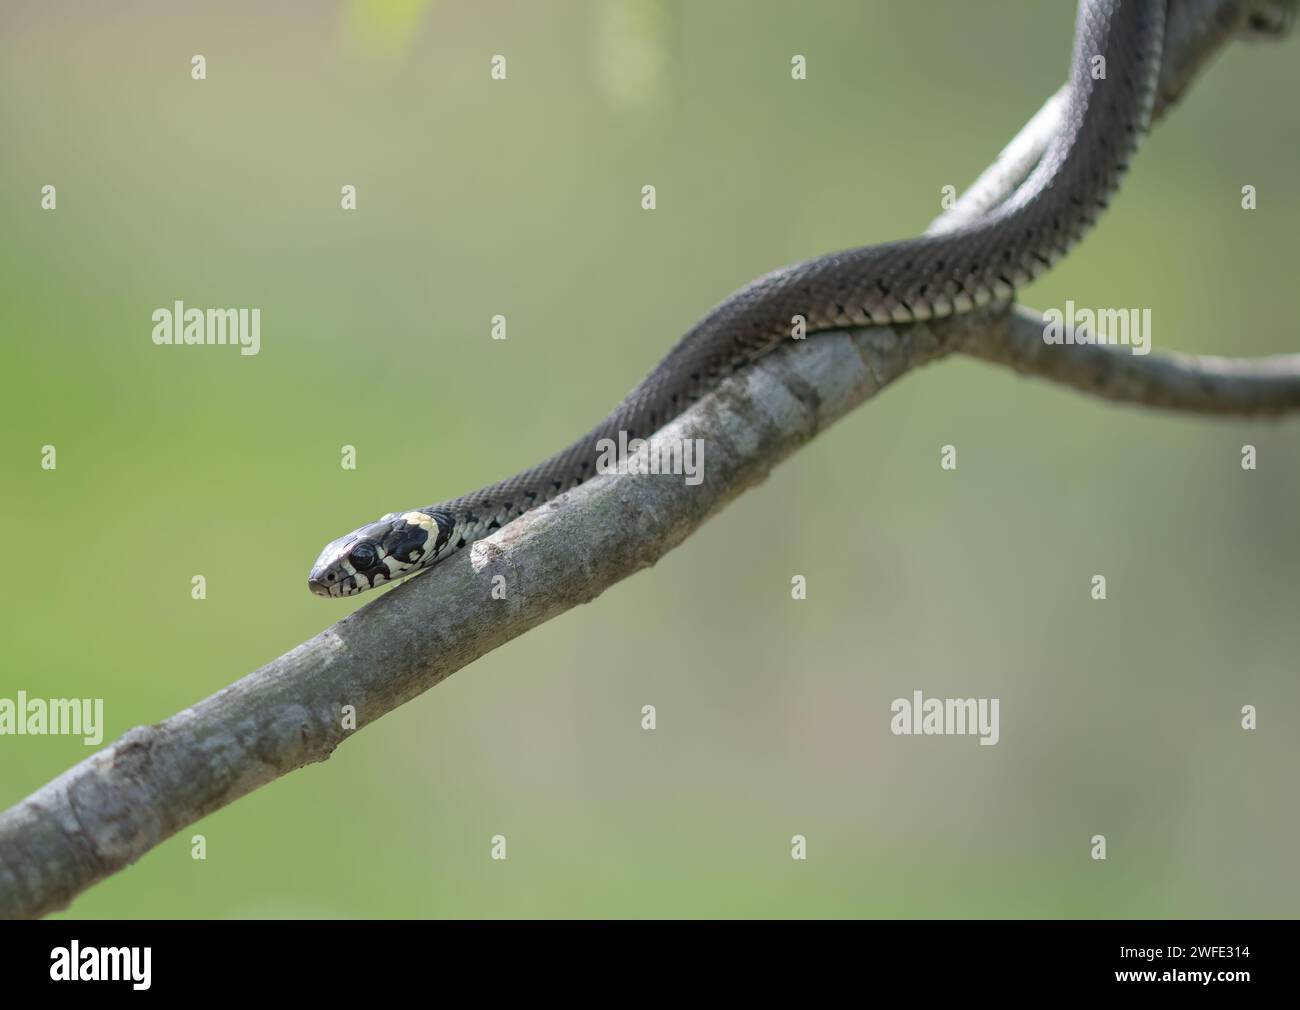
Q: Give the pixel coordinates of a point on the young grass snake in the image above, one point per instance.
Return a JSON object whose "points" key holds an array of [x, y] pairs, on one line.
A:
{"points": [[1114, 68]]}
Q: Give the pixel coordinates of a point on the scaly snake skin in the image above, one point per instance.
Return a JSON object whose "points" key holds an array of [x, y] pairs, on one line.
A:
{"points": [[897, 283]]}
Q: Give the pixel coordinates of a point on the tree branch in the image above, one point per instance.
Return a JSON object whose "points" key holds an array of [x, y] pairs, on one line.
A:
{"points": [[110, 809], [1207, 385], [1194, 33]]}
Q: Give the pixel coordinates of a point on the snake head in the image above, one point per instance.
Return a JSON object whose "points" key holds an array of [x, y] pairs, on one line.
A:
{"points": [[383, 551]]}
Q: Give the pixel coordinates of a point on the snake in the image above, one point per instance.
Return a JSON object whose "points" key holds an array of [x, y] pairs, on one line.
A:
{"points": [[1114, 69]]}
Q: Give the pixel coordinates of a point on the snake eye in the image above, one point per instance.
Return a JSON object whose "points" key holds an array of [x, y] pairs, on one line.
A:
{"points": [[362, 556]]}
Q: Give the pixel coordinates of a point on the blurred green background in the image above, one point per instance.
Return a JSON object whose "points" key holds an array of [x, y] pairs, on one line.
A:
{"points": [[522, 198]]}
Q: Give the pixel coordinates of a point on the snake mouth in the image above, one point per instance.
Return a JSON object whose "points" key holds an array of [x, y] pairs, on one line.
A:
{"points": [[342, 587]]}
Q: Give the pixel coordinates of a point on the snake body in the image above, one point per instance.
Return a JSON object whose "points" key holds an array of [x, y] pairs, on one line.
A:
{"points": [[1114, 69]]}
